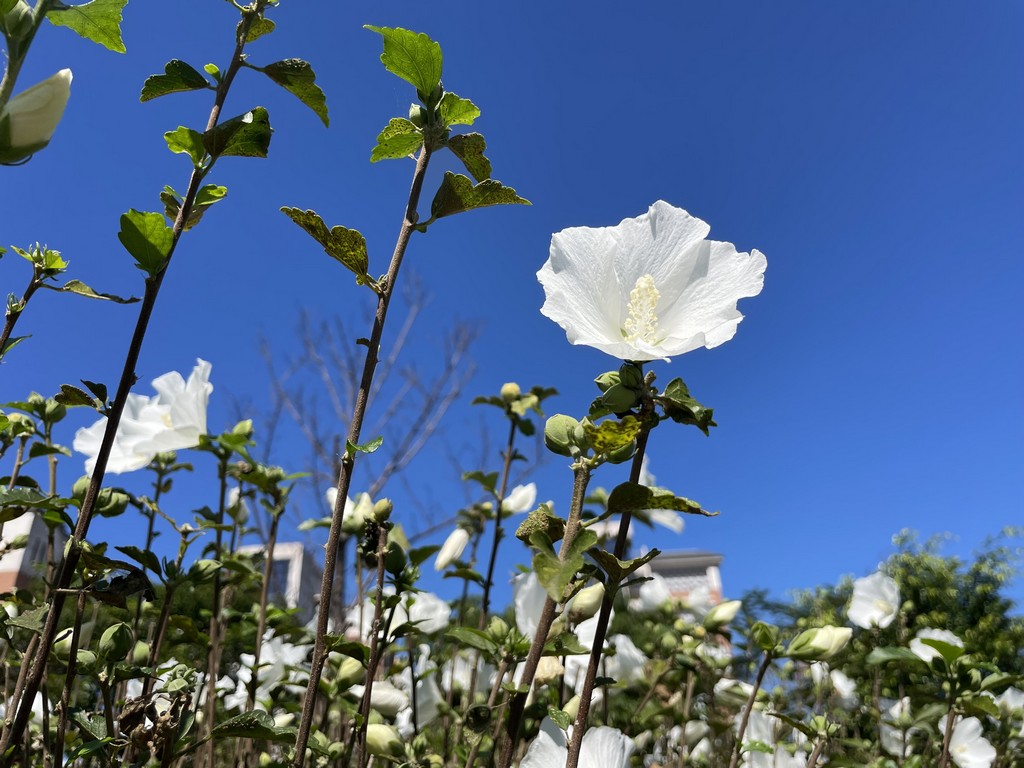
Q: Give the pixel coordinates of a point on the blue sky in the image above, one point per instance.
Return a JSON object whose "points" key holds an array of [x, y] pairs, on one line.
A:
{"points": [[872, 151]]}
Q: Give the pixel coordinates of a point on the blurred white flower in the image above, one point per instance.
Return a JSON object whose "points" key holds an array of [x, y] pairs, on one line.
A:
{"points": [[652, 594], [452, 548], [1011, 702], [875, 603], [967, 747], [31, 117], [356, 512], [528, 597], [520, 499], [925, 652], [893, 731], [650, 288], [722, 614], [845, 688], [172, 420], [602, 747]]}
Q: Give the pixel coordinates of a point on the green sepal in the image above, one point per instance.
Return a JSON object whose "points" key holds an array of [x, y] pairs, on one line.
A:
{"points": [[259, 27], [247, 135], [765, 636], [457, 194], [99, 21], [208, 195], [187, 141], [618, 570], [399, 139], [413, 57], [683, 409], [469, 148], [298, 78], [455, 110], [347, 246], [177, 78], [633, 497], [147, 238]]}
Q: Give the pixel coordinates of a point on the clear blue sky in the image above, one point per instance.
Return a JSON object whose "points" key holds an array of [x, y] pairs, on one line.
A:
{"points": [[871, 150]]}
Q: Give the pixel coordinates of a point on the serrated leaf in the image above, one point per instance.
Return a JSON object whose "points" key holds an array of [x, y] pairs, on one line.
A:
{"points": [[187, 141], [72, 396], [32, 619], [457, 194], [14, 502], [683, 409], [142, 556], [633, 497], [253, 725], [413, 57], [399, 139], [147, 238], [99, 21], [610, 436], [347, 246], [77, 286], [259, 27], [618, 570], [247, 135], [457, 111], [469, 148], [177, 78], [298, 78]]}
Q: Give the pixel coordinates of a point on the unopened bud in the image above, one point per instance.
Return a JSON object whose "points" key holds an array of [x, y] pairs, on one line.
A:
{"points": [[560, 434], [510, 391], [819, 644], [722, 614], [116, 641], [350, 672], [607, 380], [548, 668], [586, 603], [383, 740], [572, 707], [382, 510]]}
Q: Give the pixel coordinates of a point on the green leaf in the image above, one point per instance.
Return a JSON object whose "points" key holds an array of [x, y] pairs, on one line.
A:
{"points": [[560, 718], [893, 654], [142, 556], [457, 111], [487, 480], [948, 651], [399, 139], [178, 77], [554, 573], [297, 77], [566, 644], [100, 390], [11, 343], [346, 647], [633, 497], [14, 502], [99, 21], [368, 447], [5, 6], [208, 195], [474, 638], [77, 286], [610, 436], [32, 620], [618, 570], [72, 396], [253, 725], [42, 449], [413, 57], [347, 246], [457, 194], [147, 238], [683, 409], [259, 28], [469, 148], [188, 141], [247, 135]]}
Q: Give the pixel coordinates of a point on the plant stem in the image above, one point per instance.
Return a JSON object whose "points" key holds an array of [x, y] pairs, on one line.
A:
{"points": [[128, 378], [348, 460], [498, 532], [576, 742], [17, 52], [761, 672], [581, 477], [13, 314], [946, 737], [376, 650]]}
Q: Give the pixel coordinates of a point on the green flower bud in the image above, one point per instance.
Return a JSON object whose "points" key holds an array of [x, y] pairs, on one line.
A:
{"points": [[548, 668], [607, 380], [140, 653], [61, 647], [510, 391], [722, 614], [631, 376], [395, 559], [819, 644], [765, 636], [498, 627], [618, 398], [572, 707], [560, 434], [383, 741], [85, 660], [350, 672], [111, 502], [382, 510], [667, 642], [586, 603], [116, 641], [417, 115], [54, 411], [17, 22], [21, 424]]}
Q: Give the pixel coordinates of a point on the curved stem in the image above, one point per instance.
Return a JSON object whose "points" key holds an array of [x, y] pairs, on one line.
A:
{"points": [[738, 747], [348, 460]]}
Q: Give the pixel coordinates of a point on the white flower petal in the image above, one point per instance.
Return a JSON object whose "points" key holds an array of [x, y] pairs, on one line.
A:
{"points": [[876, 601]]}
